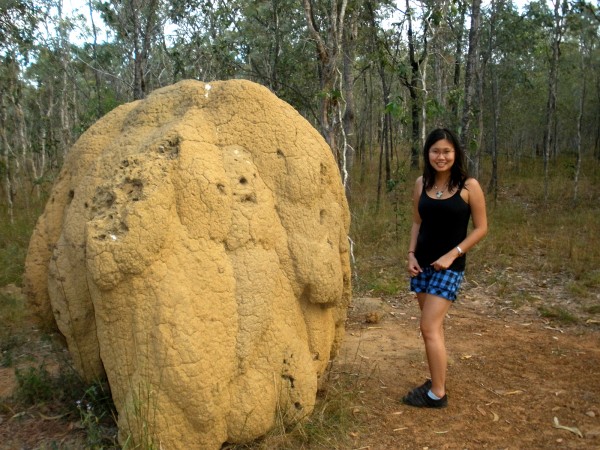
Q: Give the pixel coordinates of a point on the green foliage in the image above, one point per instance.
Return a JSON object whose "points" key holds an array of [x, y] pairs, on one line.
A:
{"points": [[11, 318], [141, 415], [332, 417], [37, 384], [390, 185], [559, 314], [586, 283], [34, 385], [65, 392], [18, 19], [594, 309], [12, 260], [14, 240], [97, 416], [384, 286], [394, 108]]}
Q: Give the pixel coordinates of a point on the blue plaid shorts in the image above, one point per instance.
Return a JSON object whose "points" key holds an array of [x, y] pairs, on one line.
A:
{"points": [[442, 283]]}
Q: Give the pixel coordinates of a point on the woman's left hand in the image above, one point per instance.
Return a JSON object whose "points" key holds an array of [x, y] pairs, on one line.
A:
{"points": [[443, 262]]}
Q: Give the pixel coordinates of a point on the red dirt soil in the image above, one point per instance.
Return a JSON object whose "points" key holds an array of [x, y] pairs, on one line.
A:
{"points": [[513, 379]]}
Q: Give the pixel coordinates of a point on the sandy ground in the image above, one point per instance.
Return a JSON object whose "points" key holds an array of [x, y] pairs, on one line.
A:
{"points": [[514, 379]]}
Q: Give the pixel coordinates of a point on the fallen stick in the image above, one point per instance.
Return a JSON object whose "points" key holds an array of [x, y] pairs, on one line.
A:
{"points": [[571, 429]]}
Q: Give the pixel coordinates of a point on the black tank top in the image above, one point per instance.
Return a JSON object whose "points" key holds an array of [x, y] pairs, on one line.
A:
{"points": [[444, 225]]}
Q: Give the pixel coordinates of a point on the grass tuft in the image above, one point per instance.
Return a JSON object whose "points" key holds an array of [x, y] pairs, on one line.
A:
{"points": [[329, 426], [97, 416], [558, 314], [14, 241], [594, 309], [12, 312], [34, 384]]}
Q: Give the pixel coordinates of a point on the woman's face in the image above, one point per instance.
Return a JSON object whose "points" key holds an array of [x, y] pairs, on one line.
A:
{"points": [[441, 155]]}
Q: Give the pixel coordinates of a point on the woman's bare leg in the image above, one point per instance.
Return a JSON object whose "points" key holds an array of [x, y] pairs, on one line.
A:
{"points": [[433, 312]]}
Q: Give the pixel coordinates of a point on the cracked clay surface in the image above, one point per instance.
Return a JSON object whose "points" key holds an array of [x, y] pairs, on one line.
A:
{"points": [[194, 251]]}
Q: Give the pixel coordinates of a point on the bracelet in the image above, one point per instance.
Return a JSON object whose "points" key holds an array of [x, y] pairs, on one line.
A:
{"points": [[411, 252], [460, 252]]}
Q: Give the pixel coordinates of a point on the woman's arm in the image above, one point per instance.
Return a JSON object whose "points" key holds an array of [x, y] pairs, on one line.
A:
{"points": [[476, 201], [413, 265]]}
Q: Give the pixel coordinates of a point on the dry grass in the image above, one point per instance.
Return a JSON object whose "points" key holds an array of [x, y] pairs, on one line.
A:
{"points": [[533, 245], [338, 413]]}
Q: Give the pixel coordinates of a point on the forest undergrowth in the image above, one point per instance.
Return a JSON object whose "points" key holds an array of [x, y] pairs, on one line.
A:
{"points": [[534, 244], [532, 241]]}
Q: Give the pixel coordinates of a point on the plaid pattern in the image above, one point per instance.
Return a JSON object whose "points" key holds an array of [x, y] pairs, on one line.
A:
{"points": [[443, 283]]}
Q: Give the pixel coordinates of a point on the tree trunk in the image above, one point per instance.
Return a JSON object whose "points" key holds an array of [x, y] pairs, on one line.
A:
{"points": [[423, 66], [549, 136], [597, 137], [65, 123], [413, 89], [379, 170], [349, 137], [385, 120], [470, 74], [6, 158], [579, 126], [274, 75], [493, 187], [137, 25], [97, 90], [423, 77], [478, 138], [458, 30], [328, 60], [24, 144], [44, 122]]}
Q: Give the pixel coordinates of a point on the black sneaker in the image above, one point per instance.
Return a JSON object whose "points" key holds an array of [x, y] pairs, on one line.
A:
{"points": [[423, 388], [419, 397]]}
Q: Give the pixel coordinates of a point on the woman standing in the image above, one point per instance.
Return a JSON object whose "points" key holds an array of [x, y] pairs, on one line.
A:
{"points": [[444, 200]]}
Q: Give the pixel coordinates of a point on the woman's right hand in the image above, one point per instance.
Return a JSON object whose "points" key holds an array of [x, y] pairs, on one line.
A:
{"points": [[413, 265]]}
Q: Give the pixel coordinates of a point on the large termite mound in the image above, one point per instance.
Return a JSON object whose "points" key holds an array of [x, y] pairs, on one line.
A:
{"points": [[194, 251]]}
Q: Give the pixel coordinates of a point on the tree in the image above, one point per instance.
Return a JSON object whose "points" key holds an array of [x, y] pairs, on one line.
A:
{"points": [[366, 82], [138, 25], [470, 85], [18, 19], [458, 29], [272, 36], [326, 28], [549, 135], [411, 79], [380, 50], [585, 28], [350, 34]]}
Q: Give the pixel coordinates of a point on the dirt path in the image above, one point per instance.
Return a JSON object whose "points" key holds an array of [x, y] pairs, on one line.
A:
{"points": [[509, 377]]}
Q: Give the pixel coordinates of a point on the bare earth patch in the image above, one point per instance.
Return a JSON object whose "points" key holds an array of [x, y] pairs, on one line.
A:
{"points": [[515, 381]]}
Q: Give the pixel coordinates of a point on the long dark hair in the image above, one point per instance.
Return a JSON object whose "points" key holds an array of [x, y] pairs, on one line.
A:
{"points": [[458, 172]]}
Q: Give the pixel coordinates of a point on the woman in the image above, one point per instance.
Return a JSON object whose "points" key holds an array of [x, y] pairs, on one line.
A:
{"points": [[443, 201]]}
